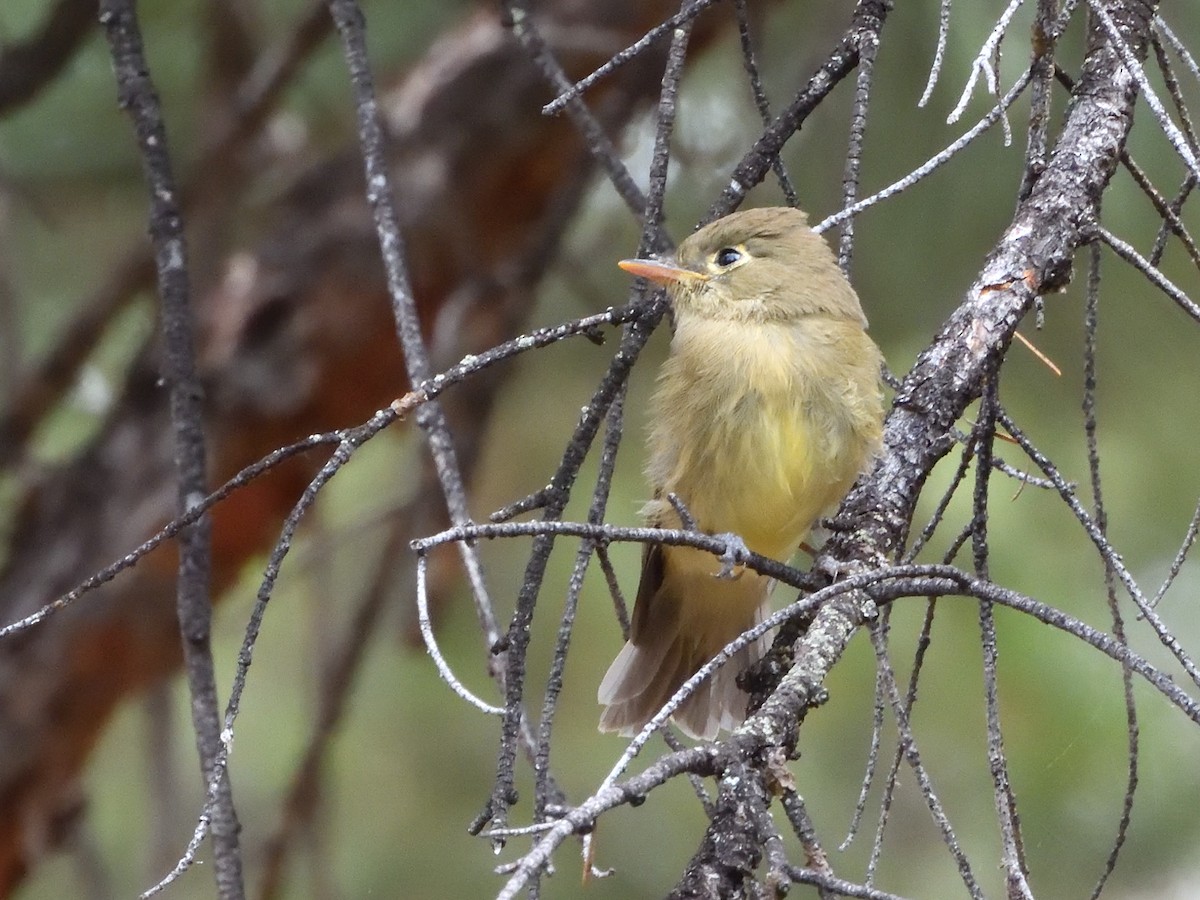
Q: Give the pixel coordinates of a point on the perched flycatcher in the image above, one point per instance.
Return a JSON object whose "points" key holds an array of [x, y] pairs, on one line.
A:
{"points": [[767, 409]]}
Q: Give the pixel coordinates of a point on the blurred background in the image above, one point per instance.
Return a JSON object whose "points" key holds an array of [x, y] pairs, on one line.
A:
{"points": [[509, 229]]}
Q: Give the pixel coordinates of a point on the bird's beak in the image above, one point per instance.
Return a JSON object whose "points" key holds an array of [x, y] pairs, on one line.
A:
{"points": [[659, 272]]}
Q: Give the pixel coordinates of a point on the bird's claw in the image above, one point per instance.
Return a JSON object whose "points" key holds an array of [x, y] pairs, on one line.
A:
{"points": [[734, 559]]}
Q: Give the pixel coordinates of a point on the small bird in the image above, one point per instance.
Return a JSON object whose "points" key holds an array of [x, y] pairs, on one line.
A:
{"points": [[767, 409]]}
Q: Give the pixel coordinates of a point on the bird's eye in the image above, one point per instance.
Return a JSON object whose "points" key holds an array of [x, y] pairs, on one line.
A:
{"points": [[727, 256]]}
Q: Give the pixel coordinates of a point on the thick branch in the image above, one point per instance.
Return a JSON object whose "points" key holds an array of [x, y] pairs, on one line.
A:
{"points": [[28, 66], [1032, 258]]}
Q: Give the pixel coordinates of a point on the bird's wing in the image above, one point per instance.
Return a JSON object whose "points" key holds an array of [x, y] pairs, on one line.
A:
{"points": [[648, 585]]}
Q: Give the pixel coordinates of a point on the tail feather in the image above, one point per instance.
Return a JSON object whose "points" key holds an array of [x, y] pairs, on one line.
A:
{"points": [[718, 703], [645, 675], [636, 669]]}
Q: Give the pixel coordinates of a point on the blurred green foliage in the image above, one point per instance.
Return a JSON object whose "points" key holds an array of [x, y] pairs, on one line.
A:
{"points": [[413, 765]]}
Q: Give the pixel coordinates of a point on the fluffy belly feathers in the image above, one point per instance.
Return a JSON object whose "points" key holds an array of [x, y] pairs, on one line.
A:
{"points": [[764, 441]]}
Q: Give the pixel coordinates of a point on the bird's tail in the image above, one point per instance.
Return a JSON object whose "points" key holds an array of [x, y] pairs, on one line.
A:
{"points": [[645, 674]]}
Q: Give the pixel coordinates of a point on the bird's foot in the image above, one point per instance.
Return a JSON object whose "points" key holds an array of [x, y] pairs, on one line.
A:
{"points": [[734, 559]]}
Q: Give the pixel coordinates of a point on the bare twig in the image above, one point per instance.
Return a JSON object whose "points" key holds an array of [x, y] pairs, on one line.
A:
{"points": [[137, 95]]}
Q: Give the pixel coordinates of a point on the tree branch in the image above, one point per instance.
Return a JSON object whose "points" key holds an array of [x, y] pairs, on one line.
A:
{"points": [[1032, 258]]}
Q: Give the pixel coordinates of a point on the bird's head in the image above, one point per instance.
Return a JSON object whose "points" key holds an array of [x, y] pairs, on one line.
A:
{"points": [[754, 265]]}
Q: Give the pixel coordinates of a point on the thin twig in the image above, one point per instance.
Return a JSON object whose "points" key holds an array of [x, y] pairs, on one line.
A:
{"points": [[939, 52], [566, 627], [1013, 860], [907, 741], [987, 64], [851, 171], [337, 460], [934, 163], [867, 21], [885, 585], [138, 96], [1107, 552], [878, 706], [750, 64], [1133, 66], [597, 142], [435, 653], [336, 684], [618, 59], [1152, 273], [399, 408], [1091, 322]]}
